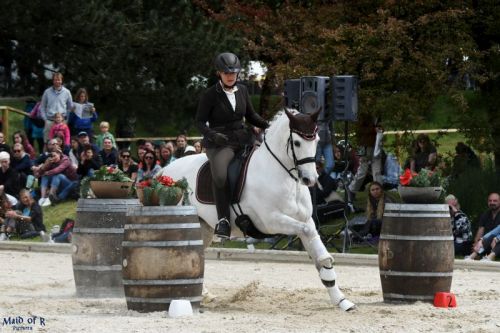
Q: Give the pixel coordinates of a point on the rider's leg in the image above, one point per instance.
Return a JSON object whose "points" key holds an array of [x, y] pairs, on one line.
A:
{"points": [[219, 161]]}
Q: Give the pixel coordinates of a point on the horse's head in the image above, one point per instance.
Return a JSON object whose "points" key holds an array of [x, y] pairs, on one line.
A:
{"points": [[303, 142]]}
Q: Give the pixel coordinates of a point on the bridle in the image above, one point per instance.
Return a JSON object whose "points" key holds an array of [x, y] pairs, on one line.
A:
{"points": [[296, 162]]}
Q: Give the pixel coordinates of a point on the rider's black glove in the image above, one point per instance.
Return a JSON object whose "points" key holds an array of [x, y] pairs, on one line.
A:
{"points": [[220, 139]]}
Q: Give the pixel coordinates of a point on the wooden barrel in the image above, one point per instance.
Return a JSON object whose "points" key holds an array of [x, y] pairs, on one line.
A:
{"points": [[97, 246], [163, 257], [415, 252]]}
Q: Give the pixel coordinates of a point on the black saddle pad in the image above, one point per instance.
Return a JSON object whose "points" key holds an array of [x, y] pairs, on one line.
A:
{"points": [[236, 174]]}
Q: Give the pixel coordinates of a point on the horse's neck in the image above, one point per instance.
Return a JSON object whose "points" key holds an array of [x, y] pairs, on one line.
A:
{"points": [[277, 141]]}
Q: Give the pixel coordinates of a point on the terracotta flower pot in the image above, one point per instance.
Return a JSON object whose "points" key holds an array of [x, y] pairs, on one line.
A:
{"points": [[111, 190], [420, 195]]}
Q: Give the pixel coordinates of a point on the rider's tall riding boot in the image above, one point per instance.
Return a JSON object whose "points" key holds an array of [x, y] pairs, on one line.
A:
{"points": [[223, 227]]}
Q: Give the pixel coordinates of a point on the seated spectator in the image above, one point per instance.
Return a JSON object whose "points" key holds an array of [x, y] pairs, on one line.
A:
{"points": [[82, 115], [340, 162], [73, 151], [105, 134], [65, 232], [109, 154], [84, 141], [488, 221], [127, 164], [148, 145], [7, 224], [9, 177], [3, 145], [20, 137], [375, 206], [166, 155], [181, 145], [28, 216], [52, 146], [460, 226], [489, 245], [149, 167], [190, 150], [198, 147], [60, 129], [59, 178], [88, 162], [465, 159], [424, 156], [21, 162]]}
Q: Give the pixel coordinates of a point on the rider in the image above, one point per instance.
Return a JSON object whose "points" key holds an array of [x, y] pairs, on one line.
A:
{"points": [[220, 118]]}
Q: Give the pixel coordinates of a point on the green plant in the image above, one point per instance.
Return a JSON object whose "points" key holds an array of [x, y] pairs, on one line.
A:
{"points": [[425, 178], [106, 174], [165, 189]]}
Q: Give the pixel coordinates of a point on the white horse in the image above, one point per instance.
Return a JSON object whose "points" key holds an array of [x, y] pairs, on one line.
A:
{"points": [[275, 196]]}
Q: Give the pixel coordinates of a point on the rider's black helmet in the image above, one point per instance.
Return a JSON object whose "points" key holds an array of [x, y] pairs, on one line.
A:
{"points": [[227, 63]]}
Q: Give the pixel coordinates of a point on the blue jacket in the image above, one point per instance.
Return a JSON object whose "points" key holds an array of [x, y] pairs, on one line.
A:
{"points": [[81, 123]]}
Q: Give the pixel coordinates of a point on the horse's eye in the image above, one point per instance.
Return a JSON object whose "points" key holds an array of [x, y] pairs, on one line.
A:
{"points": [[296, 143]]}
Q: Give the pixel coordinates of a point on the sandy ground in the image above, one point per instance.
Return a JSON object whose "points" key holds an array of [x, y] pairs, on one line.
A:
{"points": [[252, 297]]}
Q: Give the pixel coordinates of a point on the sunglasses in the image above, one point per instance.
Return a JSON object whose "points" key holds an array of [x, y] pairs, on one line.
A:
{"points": [[125, 156], [16, 151], [149, 157]]}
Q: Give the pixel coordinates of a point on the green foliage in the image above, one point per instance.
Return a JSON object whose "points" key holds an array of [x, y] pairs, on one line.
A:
{"points": [[165, 189], [425, 178], [106, 174]]}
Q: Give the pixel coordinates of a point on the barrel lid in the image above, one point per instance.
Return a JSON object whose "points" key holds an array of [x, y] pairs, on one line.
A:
{"points": [[161, 210]]}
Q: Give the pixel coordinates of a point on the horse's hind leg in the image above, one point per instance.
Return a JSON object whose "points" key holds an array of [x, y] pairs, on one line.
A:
{"points": [[324, 263]]}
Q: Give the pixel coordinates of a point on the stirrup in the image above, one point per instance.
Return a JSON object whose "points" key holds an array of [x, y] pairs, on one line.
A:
{"points": [[223, 228]]}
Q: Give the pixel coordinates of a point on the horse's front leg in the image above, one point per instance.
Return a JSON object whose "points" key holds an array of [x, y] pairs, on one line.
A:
{"points": [[320, 256]]}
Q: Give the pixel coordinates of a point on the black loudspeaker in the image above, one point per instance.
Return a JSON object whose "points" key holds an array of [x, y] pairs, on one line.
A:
{"points": [[314, 92], [292, 94], [345, 98]]}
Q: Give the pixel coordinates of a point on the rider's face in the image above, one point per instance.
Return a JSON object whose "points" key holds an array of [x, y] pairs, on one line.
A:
{"points": [[229, 79]]}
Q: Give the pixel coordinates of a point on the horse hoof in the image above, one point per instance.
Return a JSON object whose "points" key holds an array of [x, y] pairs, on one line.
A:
{"points": [[347, 305]]}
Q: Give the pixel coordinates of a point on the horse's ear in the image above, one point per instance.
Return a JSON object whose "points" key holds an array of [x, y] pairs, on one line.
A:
{"points": [[289, 114], [315, 115]]}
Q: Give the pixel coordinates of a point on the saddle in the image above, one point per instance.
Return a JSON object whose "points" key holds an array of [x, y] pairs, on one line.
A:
{"points": [[236, 176]]}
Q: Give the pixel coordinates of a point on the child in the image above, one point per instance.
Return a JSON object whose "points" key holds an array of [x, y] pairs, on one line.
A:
{"points": [[105, 134], [60, 129]]}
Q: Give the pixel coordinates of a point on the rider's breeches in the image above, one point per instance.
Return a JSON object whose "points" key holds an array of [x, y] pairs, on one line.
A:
{"points": [[219, 160]]}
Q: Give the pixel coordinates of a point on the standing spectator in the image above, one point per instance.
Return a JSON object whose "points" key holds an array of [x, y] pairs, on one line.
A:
{"points": [[166, 155], [37, 126], [325, 147], [29, 216], [465, 159], [127, 164], [82, 115], [109, 154], [105, 133], [27, 123], [149, 166], [89, 162], [21, 162], [60, 129], [425, 155], [56, 99], [366, 134], [59, 178], [3, 145], [460, 226], [20, 137], [489, 220], [9, 177]]}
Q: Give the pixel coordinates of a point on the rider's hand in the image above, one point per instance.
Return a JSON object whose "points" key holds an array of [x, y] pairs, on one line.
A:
{"points": [[220, 139]]}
